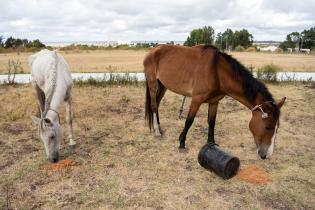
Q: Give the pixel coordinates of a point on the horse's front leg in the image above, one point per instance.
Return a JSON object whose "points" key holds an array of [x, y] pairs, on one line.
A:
{"points": [[194, 106], [72, 142], [212, 113]]}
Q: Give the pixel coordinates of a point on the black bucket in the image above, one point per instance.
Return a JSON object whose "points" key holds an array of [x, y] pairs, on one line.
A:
{"points": [[214, 159]]}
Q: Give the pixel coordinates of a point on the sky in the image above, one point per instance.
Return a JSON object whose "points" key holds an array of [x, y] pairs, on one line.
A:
{"points": [[97, 20]]}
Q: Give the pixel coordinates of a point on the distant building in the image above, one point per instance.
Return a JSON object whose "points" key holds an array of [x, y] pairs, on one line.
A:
{"points": [[290, 50], [268, 49], [110, 43], [308, 51], [266, 43]]}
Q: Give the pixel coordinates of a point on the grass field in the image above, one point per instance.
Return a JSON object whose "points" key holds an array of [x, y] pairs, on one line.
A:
{"points": [[122, 166], [131, 60]]}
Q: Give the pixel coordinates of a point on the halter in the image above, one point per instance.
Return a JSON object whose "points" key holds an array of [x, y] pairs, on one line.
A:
{"points": [[56, 113], [264, 114]]}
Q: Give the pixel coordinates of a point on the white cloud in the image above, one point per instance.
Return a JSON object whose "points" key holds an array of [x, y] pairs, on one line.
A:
{"points": [[69, 20]]}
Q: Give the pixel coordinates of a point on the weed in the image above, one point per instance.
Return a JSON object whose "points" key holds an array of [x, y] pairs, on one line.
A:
{"points": [[109, 79], [13, 68], [268, 73]]}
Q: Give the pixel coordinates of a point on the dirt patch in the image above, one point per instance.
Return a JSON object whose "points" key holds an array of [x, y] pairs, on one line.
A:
{"points": [[15, 128], [254, 174], [7, 164], [62, 164]]}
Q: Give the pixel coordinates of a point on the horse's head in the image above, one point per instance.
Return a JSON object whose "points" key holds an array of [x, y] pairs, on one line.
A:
{"points": [[264, 125], [51, 134]]}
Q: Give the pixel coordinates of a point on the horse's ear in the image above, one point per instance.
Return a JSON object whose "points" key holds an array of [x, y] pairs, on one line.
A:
{"points": [[281, 102], [36, 120]]}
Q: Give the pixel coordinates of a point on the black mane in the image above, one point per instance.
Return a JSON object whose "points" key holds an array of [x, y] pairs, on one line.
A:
{"points": [[251, 86]]}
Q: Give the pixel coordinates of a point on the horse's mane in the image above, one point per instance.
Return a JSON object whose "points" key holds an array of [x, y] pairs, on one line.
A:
{"points": [[251, 86], [53, 82]]}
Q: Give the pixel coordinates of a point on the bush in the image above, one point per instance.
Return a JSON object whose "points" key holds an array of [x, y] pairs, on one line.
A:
{"points": [[239, 48], [268, 73], [279, 50], [251, 49]]}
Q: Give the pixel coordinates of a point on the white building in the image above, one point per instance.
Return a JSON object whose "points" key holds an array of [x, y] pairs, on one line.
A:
{"points": [[268, 49]]}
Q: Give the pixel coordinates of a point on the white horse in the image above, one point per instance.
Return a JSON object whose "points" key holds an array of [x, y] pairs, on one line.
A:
{"points": [[52, 82]]}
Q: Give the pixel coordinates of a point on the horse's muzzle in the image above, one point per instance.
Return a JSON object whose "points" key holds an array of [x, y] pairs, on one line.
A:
{"points": [[54, 157], [262, 153]]}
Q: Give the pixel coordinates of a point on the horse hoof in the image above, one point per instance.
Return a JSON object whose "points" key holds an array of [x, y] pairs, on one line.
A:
{"points": [[71, 146], [182, 149], [158, 134]]}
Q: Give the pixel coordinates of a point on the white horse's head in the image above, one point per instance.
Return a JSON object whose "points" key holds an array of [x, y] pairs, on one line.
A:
{"points": [[51, 134]]}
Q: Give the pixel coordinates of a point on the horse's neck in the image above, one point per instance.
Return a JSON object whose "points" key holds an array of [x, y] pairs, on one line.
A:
{"points": [[58, 95], [51, 89], [235, 90]]}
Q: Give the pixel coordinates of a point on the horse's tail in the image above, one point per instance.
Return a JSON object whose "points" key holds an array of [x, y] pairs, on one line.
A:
{"points": [[148, 109]]}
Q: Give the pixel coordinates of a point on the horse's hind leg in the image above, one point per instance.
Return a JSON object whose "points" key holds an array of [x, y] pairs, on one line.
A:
{"points": [[41, 99], [152, 94], [160, 94], [154, 107], [72, 143], [153, 90]]}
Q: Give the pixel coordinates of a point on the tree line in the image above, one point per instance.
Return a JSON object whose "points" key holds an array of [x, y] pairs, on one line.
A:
{"points": [[303, 40], [235, 40], [14, 43], [228, 40]]}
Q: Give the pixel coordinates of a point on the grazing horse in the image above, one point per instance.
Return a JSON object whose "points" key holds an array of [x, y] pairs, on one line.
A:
{"points": [[206, 75], [51, 79]]}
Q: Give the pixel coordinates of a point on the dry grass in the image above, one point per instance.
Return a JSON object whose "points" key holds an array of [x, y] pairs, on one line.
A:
{"points": [[122, 166], [286, 62], [131, 60]]}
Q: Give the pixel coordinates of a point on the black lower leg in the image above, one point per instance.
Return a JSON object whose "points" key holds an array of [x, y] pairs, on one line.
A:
{"points": [[212, 113], [182, 137], [211, 122]]}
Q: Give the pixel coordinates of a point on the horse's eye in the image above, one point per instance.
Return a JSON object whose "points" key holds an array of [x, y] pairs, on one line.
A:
{"points": [[268, 128]]}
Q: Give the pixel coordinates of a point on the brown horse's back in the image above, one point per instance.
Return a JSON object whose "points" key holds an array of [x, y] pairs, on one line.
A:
{"points": [[180, 68]]}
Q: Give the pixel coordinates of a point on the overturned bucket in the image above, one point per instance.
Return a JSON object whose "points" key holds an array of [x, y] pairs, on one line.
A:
{"points": [[222, 163]]}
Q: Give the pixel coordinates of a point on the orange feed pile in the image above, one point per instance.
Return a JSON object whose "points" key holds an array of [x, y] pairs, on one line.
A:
{"points": [[253, 174], [62, 164]]}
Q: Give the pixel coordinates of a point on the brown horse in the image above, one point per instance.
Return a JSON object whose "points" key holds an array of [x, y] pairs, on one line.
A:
{"points": [[206, 75]]}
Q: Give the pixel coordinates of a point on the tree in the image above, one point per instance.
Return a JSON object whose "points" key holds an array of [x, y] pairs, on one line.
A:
{"points": [[242, 38], [203, 35], [294, 39], [9, 43], [284, 45], [305, 39], [25, 42], [36, 43], [14, 43], [308, 38], [1, 41], [228, 39], [218, 41]]}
